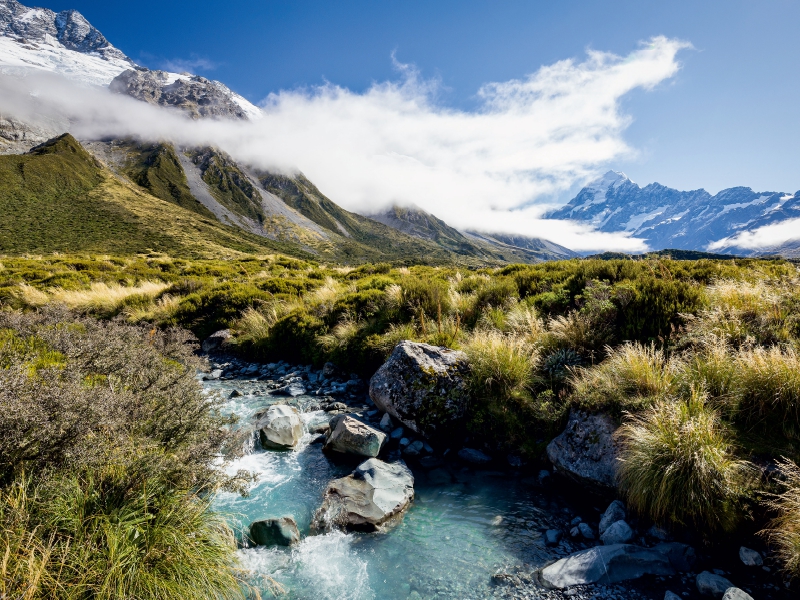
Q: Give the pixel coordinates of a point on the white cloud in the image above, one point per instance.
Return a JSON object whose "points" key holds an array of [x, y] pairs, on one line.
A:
{"points": [[490, 169], [768, 236]]}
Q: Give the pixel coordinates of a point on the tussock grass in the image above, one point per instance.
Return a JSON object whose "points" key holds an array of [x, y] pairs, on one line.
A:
{"points": [[784, 530], [633, 376], [677, 465], [502, 365], [103, 298]]}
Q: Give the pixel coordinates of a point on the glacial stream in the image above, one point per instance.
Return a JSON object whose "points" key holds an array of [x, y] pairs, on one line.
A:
{"points": [[464, 527]]}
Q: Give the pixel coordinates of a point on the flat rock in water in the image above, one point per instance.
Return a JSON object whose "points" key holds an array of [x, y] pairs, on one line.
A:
{"points": [[293, 390], [275, 532], [710, 584], [280, 428], [422, 386], [586, 451], [374, 493], [351, 436], [604, 565]]}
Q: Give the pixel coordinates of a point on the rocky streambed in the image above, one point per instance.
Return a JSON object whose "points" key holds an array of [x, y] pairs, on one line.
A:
{"points": [[356, 502]]}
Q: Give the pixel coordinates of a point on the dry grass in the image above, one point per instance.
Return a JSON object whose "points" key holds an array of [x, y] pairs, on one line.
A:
{"points": [[784, 531], [99, 298], [632, 377], [677, 466]]}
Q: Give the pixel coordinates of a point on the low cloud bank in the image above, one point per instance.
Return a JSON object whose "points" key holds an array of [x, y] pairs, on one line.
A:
{"points": [[492, 169], [762, 238]]}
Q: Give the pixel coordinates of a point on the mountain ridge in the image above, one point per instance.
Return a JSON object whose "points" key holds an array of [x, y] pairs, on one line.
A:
{"points": [[668, 218]]}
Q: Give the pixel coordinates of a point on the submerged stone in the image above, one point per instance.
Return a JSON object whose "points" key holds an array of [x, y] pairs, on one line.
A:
{"points": [[275, 532]]}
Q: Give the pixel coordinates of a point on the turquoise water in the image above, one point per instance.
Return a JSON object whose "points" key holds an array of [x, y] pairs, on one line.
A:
{"points": [[463, 526]]}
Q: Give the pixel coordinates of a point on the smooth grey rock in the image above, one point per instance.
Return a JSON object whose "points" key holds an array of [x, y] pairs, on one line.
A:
{"points": [[422, 386], [474, 457], [710, 584], [275, 532], [280, 428], [351, 436], [374, 493], [404, 442], [735, 593], [751, 558], [586, 450], [552, 537], [671, 596], [319, 424], [586, 531], [414, 448], [575, 532], [615, 512], [604, 565], [386, 423], [397, 434], [681, 556], [617, 533], [427, 448]]}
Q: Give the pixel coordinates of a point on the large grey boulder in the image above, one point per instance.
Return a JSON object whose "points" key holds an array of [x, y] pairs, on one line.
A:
{"points": [[351, 436], [422, 386], [615, 512], [280, 428], [604, 565], [586, 451], [374, 493], [275, 532], [216, 340], [710, 584], [474, 457]]}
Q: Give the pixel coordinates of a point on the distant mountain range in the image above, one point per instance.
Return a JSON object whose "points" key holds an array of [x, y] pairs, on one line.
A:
{"points": [[668, 218]]}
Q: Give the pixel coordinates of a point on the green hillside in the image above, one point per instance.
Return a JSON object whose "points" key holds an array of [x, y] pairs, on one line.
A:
{"points": [[58, 198]]}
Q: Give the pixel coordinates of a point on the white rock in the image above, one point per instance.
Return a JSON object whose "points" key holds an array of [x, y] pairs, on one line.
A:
{"points": [[617, 533], [615, 512], [280, 428], [604, 565]]}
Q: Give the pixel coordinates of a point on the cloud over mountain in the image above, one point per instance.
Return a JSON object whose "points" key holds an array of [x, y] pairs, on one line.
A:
{"points": [[489, 169]]}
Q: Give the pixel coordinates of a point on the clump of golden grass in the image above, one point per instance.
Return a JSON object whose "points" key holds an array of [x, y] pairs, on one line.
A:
{"points": [[632, 376], [784, 530], [677, 465], [502, 365], [100, 297]]}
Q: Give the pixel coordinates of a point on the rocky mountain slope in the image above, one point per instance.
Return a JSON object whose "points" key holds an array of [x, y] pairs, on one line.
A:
{"points": [[285, 209], [418, 223], [668, 218]]}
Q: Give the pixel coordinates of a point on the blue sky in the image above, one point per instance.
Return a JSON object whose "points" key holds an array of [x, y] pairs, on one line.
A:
{"points": [[729, 117]]}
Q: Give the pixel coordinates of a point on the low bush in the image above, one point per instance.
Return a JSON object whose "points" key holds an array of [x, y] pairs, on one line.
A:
{"points": [[677, 466]]}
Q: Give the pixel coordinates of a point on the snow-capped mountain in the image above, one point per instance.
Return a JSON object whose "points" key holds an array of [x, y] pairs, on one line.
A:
{"points": [[669, 218], [67, 44]]}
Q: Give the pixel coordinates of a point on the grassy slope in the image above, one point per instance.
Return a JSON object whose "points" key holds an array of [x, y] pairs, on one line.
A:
{"points": [[59, 198], [157, 169], [362, 238]]}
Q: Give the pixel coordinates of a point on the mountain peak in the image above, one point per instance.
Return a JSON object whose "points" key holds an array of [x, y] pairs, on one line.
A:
{"points": [[608, 180]]}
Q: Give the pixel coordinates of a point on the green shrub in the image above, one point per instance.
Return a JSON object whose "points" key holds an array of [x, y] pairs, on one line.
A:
{"points": [[677, 466], [210, 310], [655, 308], [427, 296]]}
